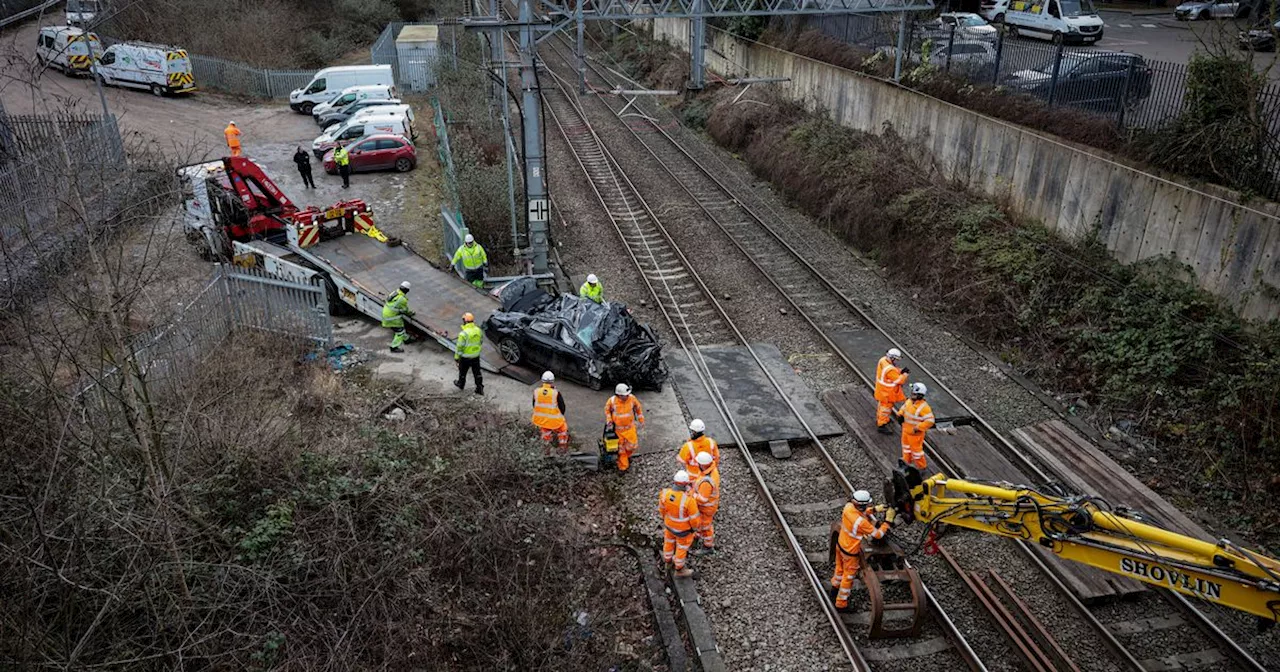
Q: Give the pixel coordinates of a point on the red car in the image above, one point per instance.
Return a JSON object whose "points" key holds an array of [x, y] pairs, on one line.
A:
{"points": [[377, 152]]}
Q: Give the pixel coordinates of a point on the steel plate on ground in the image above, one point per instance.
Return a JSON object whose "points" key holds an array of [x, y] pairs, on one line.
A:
{"points": [[867, 346], [760, 413]]}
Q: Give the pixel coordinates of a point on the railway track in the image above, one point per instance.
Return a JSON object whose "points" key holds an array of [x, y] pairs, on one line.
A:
{"points": [[802, 514], [1186, 638]]}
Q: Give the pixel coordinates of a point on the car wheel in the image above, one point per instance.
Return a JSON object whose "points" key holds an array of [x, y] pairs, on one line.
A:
{"points": [[1013, 30], [157, 90], [403, 165], [510, 351], [307, 107], [1057, 37], [999, 18], [597, 384], [1204, 15]]}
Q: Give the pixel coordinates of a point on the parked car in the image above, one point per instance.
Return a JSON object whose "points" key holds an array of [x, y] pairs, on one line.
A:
{"points": [[1099, 81], [1262, 37], [1061, 21], [355, 129], [1202, 10], [152, 67], [589, 343], [68, 49], [377, 152], [339, 115], [977, 58], [350, 95], [329, 83], [967, 26], [993, 10], [83, 12]]}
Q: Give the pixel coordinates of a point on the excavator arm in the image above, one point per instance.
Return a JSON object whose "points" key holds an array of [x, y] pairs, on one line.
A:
{"points": [[1086, 529]]}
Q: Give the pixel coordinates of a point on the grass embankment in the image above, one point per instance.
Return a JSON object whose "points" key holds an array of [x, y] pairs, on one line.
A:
{"points": [[264, 515], [1143, 347]]}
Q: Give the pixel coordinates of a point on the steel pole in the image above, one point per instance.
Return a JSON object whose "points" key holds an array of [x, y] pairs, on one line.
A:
{"points": [[511, 162], [582, 50], [697, 41], [902, 47], [537, 210]]}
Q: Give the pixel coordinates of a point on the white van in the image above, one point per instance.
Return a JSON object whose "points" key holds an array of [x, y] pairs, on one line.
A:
{"points": [[154, 67], [350, 95], [330, 82], [1057, 20], [68, 49], [354, 129]]}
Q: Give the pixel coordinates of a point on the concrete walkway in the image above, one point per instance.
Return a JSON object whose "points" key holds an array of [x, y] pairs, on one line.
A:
{"points": [[427, 367]]}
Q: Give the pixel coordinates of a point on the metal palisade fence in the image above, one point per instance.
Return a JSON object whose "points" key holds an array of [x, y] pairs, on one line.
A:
{"points": [[1132, 91], [216, 73], [235, 299]]}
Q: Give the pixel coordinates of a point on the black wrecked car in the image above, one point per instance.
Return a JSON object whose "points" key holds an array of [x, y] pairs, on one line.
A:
{"points": [[597, 345]]}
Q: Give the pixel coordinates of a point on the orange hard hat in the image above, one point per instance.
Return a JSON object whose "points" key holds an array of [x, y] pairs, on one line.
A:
{"points": [[468, 317]]}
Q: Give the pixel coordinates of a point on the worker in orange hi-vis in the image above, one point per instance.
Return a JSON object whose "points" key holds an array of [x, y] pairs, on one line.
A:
{"points": [[680, 520], [548, 413], [698, 442], [917, 418], [232, 133], [856, 524], [624, 413], [706, 489], [889, 384]]}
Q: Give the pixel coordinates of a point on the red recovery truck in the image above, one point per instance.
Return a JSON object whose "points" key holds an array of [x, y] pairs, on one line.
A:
{"points": [[234, 211]]}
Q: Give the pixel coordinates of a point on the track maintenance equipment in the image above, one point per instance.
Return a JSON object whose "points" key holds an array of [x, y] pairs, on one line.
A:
{"points": [[1086, 529]]}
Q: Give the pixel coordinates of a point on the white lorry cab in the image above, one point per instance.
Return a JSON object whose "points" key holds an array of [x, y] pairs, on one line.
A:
{"points": [[153, 67], [354, 129], [351, 94], [328, 83], [69, 49], [1057, 20], [83, 12]]}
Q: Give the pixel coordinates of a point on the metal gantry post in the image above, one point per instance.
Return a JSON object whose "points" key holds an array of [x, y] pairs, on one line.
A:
{"points": [[902, 47], [538, 208], [697, 45], [582, 49], [510, 151]]}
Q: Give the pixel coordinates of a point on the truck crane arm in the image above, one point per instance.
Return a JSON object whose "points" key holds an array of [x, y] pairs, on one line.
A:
{"points": [[245, 176], [1086, 529]]}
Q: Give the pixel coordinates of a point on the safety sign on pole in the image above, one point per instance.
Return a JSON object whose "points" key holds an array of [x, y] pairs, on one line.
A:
{"points": [[539, 210]]}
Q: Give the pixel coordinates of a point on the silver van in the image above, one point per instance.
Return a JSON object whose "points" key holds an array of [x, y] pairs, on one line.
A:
{"points": [[339, 115]]}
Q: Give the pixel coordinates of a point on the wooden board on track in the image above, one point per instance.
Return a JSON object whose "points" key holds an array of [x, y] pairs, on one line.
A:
{"points": [[1088, 470], [856, 408]]}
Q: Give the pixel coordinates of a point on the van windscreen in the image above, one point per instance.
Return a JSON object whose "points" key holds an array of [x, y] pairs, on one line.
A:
{"points": [[1077, 8]]}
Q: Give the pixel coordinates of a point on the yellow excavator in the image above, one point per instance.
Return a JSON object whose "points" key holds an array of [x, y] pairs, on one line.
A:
{"points": [[1086, 529]]}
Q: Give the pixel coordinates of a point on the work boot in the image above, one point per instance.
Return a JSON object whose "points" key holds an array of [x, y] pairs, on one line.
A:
{"points": [[705, 550], [683, 573], [480, 391], [396, 348], [458, 384], [884, 429]]}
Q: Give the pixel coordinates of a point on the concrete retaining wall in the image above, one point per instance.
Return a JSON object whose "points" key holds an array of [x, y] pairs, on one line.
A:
{"points": [[1233, 249]]}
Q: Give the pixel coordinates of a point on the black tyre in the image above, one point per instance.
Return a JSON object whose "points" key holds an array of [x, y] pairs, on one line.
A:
{"points": [[1203, 16], [337, 307], [403, 165], [306, 108], [510, 351], [1057, 38], [999, 18], [597, 384], [157, 90]]}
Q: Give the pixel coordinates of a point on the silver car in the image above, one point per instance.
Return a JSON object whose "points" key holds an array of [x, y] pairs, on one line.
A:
{"points": [[331, 117], [1209, 9]]}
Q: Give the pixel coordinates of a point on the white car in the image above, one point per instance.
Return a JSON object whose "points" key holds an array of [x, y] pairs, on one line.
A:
{"points": [[354, 129], [1210, 9], [966, 25], [976, 58], [350, 95]]}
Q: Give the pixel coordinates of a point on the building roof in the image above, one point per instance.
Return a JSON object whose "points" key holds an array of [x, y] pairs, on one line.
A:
{"points": [[418, 34]]}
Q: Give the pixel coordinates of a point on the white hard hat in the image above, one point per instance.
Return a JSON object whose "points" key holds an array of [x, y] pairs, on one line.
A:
{"points": [[704, 458], [697, 426], [548, 377], [919, 388], [681, 476], [862, 497], [404, 285], [231, 123], [469, 239], [591, 278], [622, 390], [894, 353]]}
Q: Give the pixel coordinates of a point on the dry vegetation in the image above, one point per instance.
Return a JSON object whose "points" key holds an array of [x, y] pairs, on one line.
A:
{"points": [[265, 33]]}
